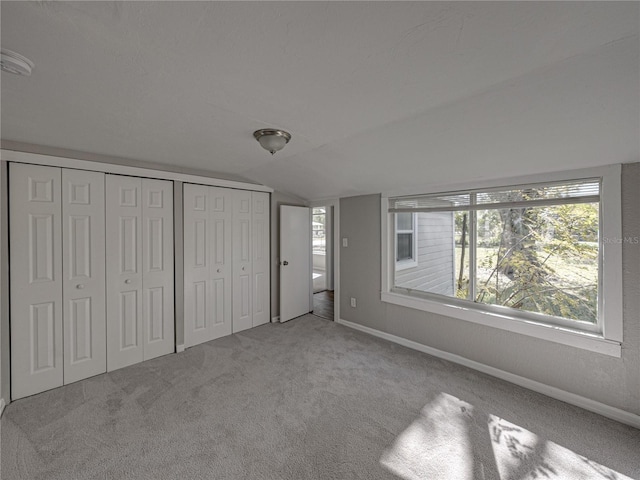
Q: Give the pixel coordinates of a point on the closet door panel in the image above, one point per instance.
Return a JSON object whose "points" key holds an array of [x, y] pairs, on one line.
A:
{"points": [[260, 266], [221, 208], [83, 240], [36, 279], [207, 263], [157, 268], [242, 257], [197, 324], [124, 271]]}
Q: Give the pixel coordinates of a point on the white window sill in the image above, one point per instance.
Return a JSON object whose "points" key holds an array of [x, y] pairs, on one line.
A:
{"points": [[564, 336]]}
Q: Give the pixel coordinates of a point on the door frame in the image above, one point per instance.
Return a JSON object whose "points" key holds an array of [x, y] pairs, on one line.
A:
{"points": [[335, 203]]}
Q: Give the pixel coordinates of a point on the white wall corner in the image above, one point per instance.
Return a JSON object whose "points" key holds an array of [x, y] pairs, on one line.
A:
{"points": [[180, 348], [594, 406]]}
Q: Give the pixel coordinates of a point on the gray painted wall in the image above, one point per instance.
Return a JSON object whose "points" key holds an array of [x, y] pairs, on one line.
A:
{"points": [[278, 199], [609, 380]]}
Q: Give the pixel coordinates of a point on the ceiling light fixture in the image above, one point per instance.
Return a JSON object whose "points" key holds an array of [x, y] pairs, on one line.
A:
{"points": [[272, 140], [12, 62]]}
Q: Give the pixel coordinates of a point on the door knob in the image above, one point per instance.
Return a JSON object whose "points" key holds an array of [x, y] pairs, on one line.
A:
{"points": [[219, 270], [128, 280], [80, 286], [285, 263], [243, 269]]}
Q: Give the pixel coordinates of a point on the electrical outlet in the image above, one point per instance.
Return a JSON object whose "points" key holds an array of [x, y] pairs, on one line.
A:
{"points": [[345, 242], [353, 302]]}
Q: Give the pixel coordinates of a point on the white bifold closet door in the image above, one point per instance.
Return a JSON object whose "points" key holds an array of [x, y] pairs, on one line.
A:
{"points": [[207, 263], [251, 294], [36, 279], [242, 265], [261, 301], [140, 311], [57, 277], [157, 269], [226, 261], [83, 271]]}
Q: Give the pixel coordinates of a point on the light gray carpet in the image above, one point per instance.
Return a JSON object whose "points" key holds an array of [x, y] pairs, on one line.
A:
{"points": [[308, 399]]}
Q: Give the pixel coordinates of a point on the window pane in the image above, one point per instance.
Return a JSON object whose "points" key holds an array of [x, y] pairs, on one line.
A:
{"points": [[560, 191], [540, 259], [532, 248], [318, 226], [405, 221], [434, 271], [580, 188], [405, 246], [462, 245]]}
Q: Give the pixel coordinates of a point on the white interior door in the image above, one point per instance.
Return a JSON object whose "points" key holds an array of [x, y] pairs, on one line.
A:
{"points": [[83, 247], [124, 271], [295, 262], [36, 279], [260, 263], [207, 263], [242, 276], [157, 268]]}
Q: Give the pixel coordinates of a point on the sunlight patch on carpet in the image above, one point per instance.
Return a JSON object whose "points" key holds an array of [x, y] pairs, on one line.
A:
{"points": [[521, 454], [436, 445], [451, 439]]}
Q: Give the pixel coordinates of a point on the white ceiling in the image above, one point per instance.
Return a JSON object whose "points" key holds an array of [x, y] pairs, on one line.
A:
{"points": [[377, 95]]}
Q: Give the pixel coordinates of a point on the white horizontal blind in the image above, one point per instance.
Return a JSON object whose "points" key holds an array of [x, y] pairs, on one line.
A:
{"points": [[521, 196]]}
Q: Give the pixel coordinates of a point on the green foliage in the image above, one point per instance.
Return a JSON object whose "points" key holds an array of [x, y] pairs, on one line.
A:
{"points": [[541, 259]]}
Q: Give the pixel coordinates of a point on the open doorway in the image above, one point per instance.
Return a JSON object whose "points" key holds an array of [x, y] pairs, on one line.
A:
{"points": [[322, 250]]}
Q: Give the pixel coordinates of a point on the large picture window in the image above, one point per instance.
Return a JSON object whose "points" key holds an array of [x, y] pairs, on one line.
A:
{"points": [[532, 252]]}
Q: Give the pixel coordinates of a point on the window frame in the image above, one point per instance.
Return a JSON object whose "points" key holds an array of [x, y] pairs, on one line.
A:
{"points": [[413, 261], [605, 339]]}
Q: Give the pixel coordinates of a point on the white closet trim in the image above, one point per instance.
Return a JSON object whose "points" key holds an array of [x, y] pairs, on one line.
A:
{"points": [[38, 159]]}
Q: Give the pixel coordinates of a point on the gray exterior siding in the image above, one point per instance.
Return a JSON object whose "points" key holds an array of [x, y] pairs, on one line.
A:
{"points": [[435, 271]]}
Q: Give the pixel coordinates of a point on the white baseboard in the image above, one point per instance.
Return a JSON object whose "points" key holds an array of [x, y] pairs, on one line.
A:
{"points": [[180, 348], [557, 393], [275, 319], [2, 404]]}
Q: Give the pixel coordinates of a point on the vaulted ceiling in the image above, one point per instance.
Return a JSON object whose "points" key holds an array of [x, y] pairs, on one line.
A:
{"points": [[377, 95]]}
